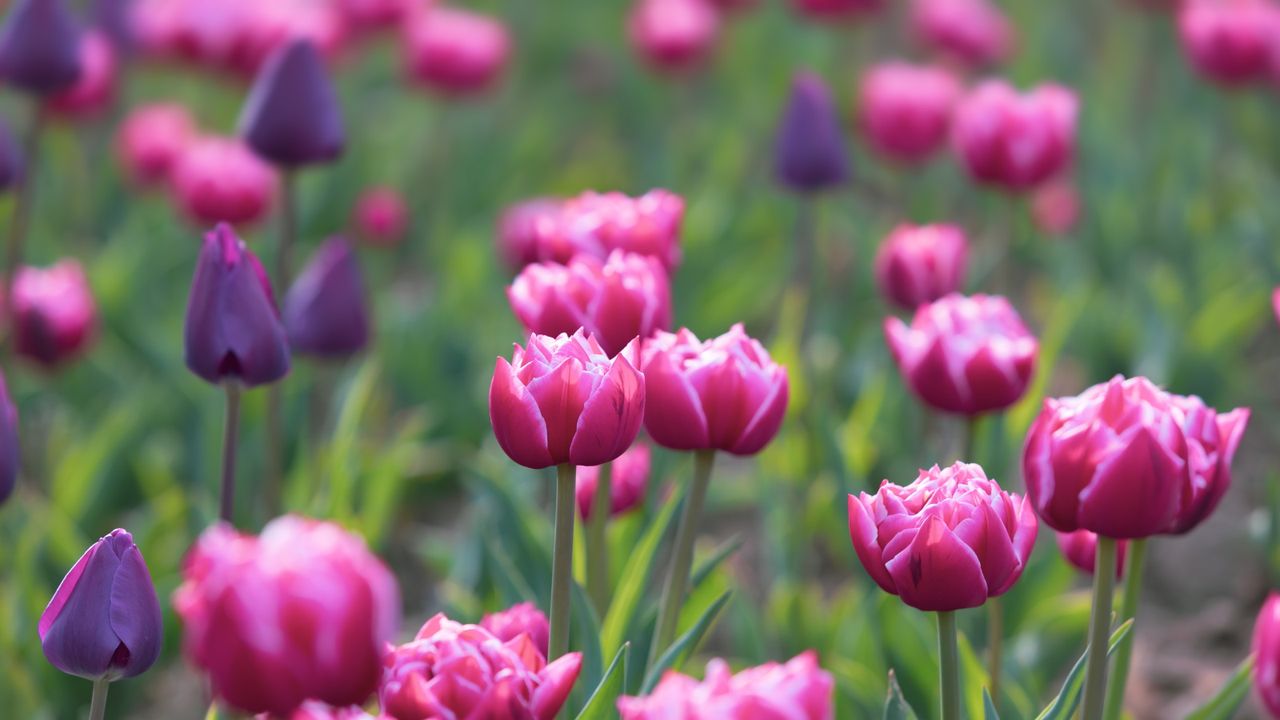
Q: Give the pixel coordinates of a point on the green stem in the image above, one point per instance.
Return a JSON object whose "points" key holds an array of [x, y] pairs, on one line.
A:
{"points": [[970, 448], [562, 562], [682, 557], [275, 436], [806, 248], [948, 665], [598, 542], [1095, 683], [1137, 552], [98, 705], [995, 646], [230, 438], [25, 199]]}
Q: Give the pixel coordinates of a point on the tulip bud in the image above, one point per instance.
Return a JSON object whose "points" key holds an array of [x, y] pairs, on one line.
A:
{"points": [[325, 312], [972, 32], [104, 620], [218, 179], [964, 355], [1015, 141], [233, 331], [673, 35], [906, 109], [94, 91], [1230, 42], [598, 223], [836, 10], [947, 541], [54, 316], [810, 154], [503, 681], [1055, 207], [305, 606], [562, 400], [628, 481], [919, 264], [1125, 459], [40, 47], [1266, 652], [455, 52], [797, 690], [381, 217], [11, 159], [292, 117], [722, 394], [151, 140], [10, 449], [1080, 548], [518, 230], [522, 619]]}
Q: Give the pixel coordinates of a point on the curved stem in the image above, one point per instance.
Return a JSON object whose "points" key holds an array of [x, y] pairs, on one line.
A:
{"points": [[562, 562], [682, 555], [98, 705], [1095, 683], [597, 541], [1137, 551], [948, 666], [230, 438]]}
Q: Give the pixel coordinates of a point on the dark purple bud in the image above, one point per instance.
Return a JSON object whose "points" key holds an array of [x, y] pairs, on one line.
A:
{"points": [[292, 115], [40, 47], [810, 154], [11, 162], [325, 312], [9, 452], [233, 330], [104, 620]]}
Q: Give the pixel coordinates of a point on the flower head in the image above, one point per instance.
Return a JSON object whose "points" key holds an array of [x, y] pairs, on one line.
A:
{"points": [[795, 690], [1015, 141], [54, 316]]}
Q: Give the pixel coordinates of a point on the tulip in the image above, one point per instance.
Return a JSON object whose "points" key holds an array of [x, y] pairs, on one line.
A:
{"points": [[522, 619], [292, 117], [796, 690], [273, 25], [54, 316], [381, 217], [1055, 207], [1275, 303], [152, 139], [95, 89], [615, 301], [628, 481], [599, 223], [367, 15], [325, 312], [673, 35], [905, 110], [111, 18], [519, 233], [1266, 652], [1080, 548], [455, 52], [301, 612], [40, 47], [451, 670], [810, 154], [312, 710], [916, 265], [973, 32], [218, 179], [1230, 42], [1015, 141], [10, 449], [836, 9]]}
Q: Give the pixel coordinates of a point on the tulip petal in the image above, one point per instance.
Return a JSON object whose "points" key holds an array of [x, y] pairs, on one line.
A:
{"points": [[611, 417], [938, 572], [557, 681], [768, 418], [673, 412], [135, 612], [1135, 492], [1001, 565], [79, 639], [938, 383], [562, 394], [517, 422], [862, 531]]}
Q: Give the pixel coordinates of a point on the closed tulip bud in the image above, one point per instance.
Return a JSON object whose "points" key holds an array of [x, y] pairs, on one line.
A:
{"points": [[1231, 42], [836, 10], [54, 316], [964, 355], [796, 690], [455, 52], [522, 619], [218, 179], [10, 450], [562, 400], [906, 109], [673, 35], [151, 139], [12, 163], [325, 312], [292, 116], [599, 223], [302, 612], [451, 670], [1125, 459], [1015, 141], [1266, 652], [519, 230], [1080, 548], [628, 481], [94, 92], [810, 153], [615, 301], [233, 331], [40, 47], [1055, 207], [722, 394], [381, 217], [947, 541], [973, 32], [919, 264], [104, 621]]}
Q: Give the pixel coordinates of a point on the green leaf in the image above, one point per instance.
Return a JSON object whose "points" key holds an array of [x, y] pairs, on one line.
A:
{"points": [[1223, 705], [895, 706], [601, 705], [1064, 705], [708, 566], [684, 645], [988, 707], [975, 678], [586, 633], [635, 578]]}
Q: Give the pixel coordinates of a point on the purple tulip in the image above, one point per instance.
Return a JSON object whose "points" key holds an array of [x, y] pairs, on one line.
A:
{"points": [[810, 154], [104, 620], [40, 47], [292, 116], [233, 331], [10, 454], [325, 313], [112, 18]]}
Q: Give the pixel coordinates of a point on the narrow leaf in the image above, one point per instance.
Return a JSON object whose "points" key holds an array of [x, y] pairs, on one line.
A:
{"points": [[601, 704], [895, 706], [684, 645], [1223, 705], [635, 578], [1064, 706]]}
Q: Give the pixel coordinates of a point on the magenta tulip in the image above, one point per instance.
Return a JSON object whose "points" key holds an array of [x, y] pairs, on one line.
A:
{"points": [[972, 32], [455, 52], [919, 264], [381, 217], [151, 139], [522, 619], [1080, 548], [599, 223], [95, 89], [1055, 207], [522, 227], [628, 481], [1231, 42], [905, 110], [312, 710], [55, 319], [10, 448], [1015, 141], [218, 179], [796, 690], [673, 35], [1266, 652]]}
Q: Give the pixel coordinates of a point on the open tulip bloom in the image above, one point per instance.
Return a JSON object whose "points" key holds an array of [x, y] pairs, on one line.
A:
{"points": [[795, 690]]}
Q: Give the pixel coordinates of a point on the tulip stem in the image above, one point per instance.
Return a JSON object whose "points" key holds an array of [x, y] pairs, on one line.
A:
{"points": [[562, 562], [995, 646], [598, 542], [25, 198], [1095, 683], [682, 555], [98, 705], [230, 438], [948, 665], [275, 394], [1128, 609]]}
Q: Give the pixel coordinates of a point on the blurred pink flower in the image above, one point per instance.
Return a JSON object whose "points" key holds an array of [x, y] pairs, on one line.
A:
{"points": [[1055, 206], [313, 710], [919, 264], [381, 216], [796, 690], [151, 139], [364, 15], [1080, 548], [628, 480], [599, 223], [522, 619], [905, 110], [1230, 41], [1266, 651], [219, 179], [673, 35], [94, 92], [54, 316], [973, 32], [522, 225], [1015, 141], [454, 51]]}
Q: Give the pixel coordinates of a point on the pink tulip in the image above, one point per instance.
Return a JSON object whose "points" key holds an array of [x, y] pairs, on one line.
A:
{"points": [[272, 25], [381, 216], [93, 93], [365, 15], [302, 612], [599, 223], [615, 301], [562, 400], [673, 35], [1125, 459], [454, 51], [522, 619], [54, 316], [151, 140], [219, 179], [919, 264], [1080, 548], [724, 394], [973, 32], [1275, 303], [312, 710], [1055, 207], [628, 480], [1015, 141], [1230, 41], [947, 541], [905, 110], [451, 670], [797, 690], [1266, 651], [836, 9], [520, 228], [965, 355]]}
